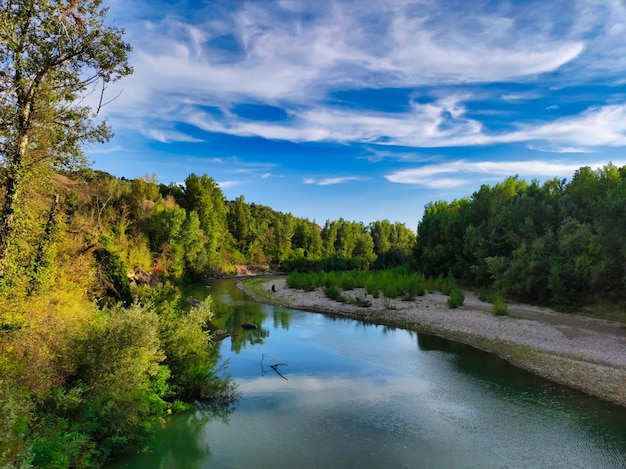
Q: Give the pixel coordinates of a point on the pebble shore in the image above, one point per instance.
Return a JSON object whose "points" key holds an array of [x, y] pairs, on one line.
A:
{"points": [[584, 353]]}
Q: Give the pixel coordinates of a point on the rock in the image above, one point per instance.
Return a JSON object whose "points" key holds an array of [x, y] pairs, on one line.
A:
{"points": [[141, 277], [248, 325], [194, 302]]}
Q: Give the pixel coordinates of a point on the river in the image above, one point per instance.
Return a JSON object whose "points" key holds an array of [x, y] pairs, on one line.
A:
{"points": [[342, 394]]}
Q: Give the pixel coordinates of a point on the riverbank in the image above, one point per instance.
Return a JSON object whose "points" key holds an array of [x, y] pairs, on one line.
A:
{"points": [[581, 352]]}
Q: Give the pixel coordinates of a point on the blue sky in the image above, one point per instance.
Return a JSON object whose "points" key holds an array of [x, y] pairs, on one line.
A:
{"points": [[366, 110]]}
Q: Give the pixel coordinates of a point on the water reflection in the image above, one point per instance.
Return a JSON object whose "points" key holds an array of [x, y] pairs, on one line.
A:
{"points": [[182, 445], [282, 318], [231, 309], [356, 395]]}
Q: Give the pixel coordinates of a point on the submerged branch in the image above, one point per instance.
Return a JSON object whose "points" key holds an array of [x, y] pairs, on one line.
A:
{"points": [[273, 367]]}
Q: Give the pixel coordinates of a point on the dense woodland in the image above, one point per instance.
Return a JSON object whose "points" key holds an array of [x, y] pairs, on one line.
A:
{"points": [[559, 243]]}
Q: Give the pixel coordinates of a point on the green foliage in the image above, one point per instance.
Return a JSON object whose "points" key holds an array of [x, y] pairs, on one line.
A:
{"points": [[132, 366], [558, 243], [52, 56], [115, 274], [499, 307], [333, 293], [443, 284], [456, 298], [391, 283], [187, 346]]}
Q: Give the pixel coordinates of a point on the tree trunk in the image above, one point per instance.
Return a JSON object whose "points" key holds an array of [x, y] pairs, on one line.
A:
{"points": [[7, 217]]}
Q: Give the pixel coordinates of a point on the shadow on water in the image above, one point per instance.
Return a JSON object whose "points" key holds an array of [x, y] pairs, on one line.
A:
{"points": [[518, 384]]}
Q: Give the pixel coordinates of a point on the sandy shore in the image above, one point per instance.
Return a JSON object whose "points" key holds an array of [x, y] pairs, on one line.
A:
{"points": [[584, 353]]}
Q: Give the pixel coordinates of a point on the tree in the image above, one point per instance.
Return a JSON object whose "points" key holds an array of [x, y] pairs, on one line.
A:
{"points": [[239, 220], [52, 55], [204, 196]]}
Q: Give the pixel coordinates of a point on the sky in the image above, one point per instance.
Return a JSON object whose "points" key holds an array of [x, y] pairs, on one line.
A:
{"points": [[366, 110]]}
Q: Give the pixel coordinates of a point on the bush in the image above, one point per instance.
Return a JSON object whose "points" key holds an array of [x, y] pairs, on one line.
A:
{"points": [[361, 301], [456, 298], [499, 307], [334, 294]]}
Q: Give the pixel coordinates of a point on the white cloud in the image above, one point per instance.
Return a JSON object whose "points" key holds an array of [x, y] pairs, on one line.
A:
{"points": [[298, 60], [225, 184], [549, 148], [601, 125], [169, 136], [431, 175], [283, 59], [333, 180]]}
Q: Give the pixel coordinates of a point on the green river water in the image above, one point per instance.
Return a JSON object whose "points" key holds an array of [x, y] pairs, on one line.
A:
{"points": [[348, 395]]}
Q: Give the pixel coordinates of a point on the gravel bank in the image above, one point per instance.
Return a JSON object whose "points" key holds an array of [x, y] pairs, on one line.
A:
{"points": [[581, 352]]}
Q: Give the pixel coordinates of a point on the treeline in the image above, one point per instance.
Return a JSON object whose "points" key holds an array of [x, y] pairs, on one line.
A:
{"points": [[558, 243], [189, 231]]}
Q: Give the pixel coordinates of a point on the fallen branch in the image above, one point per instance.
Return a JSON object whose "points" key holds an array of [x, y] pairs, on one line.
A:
{"points": [[273, 367]]}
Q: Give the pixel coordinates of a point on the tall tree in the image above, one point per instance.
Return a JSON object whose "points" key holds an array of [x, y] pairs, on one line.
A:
{"points": [[204, 196], [52, 54]]}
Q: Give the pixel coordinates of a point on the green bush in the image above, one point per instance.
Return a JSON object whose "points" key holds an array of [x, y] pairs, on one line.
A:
{"points": [[456, 298], [484, 294], [334, 294], [499, 307]]}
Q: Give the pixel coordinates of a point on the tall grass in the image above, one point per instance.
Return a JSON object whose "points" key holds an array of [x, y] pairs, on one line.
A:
{"points": [[393, 283]]}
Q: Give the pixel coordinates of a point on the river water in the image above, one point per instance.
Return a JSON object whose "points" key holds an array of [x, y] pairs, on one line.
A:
{"points": [[342, 394]]}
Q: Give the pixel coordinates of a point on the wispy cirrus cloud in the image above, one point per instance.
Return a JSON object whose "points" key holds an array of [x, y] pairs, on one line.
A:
{"points": [[294, 60], [329, 181], [464, 171], [169, 136]]}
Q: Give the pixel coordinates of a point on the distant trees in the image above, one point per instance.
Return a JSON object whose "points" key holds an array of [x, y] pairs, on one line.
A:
{"points": [[556, 242]]}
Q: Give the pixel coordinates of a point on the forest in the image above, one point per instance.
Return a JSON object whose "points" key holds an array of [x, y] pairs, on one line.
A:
{"points": [[559, 243]]}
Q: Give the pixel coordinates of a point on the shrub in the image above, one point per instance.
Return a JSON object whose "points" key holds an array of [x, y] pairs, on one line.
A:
{"points": [[456, 298], [361, 301], [499, 307], [334, 294], [115, 274]]}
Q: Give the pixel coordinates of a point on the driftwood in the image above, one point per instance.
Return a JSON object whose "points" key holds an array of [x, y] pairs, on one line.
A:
{"points": [[273, 367]]}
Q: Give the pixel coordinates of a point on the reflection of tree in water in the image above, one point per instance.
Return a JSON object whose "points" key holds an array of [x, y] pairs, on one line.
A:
{"points": [[231, 309], [282, 318], [182, 444], [248, 336], [483, 365]]}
